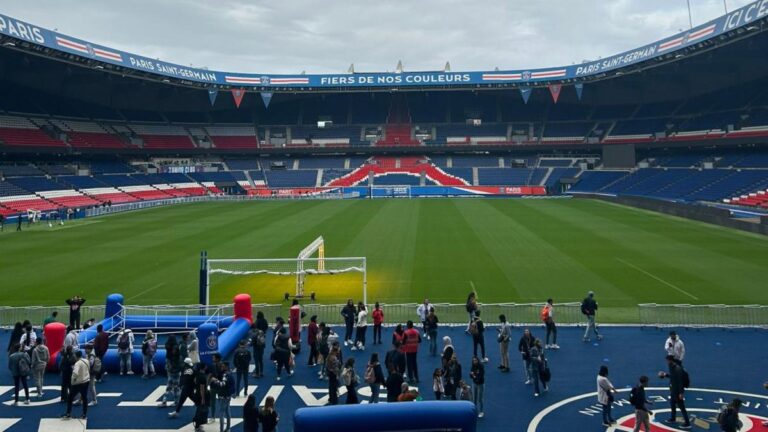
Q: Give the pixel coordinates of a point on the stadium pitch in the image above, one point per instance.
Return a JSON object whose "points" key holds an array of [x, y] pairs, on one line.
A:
{"points": [[507, 250]]}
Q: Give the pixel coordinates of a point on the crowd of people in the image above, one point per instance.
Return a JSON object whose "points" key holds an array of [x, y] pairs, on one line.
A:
{"points": [[212, 387]]}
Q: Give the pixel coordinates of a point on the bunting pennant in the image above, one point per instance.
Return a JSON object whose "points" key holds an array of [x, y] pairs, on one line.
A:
{"points": [[238, 95], [212, 96], [525, 92], [579, 90], [554, 89], [266, 97]]}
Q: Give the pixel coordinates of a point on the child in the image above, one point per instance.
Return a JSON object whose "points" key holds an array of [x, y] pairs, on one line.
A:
{"points": [[437, 384], [466, 391], [378, 320]]}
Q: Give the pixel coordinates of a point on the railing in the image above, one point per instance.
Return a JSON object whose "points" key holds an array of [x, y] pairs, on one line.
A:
{"points": [[9, 315], [686, 315]]}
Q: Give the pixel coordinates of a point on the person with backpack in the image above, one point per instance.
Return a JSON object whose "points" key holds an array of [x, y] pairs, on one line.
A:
{"points": [[350, 379], [477, 373], [226, 388], [79, 385], [39, 358], [411, 339], [471, 309], [378, 320], [268, 416], [505, 334], [675, 347], [640, 402], [242, 361], [374, 377], [333, 369], [548, 317], [605, 398], [350, 314], [125, 351], [477, 330], [148, 351], [678, 382], [361, 327], [187, 383], [258, 343], [313, 337], [538, 367], [66, 361], [20, 366], [589, 309], [95, 367], [431, 323], [728, 417]]}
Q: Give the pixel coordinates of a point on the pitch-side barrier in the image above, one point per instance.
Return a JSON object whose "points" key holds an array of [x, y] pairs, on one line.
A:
{"points": [[714, 315]]}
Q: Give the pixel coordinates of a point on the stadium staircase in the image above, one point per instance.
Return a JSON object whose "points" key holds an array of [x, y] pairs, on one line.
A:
{"points": [[397, 131]]}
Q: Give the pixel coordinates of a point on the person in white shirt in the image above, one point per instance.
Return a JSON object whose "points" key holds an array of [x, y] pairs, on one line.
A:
{"points": [[71, 339], [81, 377], [361, 327], [675, 347], [28, 339], [422, 311]]}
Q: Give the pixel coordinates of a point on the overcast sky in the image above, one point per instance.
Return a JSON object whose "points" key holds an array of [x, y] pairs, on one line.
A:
{"points": [[290, 36]]}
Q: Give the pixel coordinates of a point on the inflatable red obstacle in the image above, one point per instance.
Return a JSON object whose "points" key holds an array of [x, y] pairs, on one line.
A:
{"points": [[211, 342], [55, 333]]}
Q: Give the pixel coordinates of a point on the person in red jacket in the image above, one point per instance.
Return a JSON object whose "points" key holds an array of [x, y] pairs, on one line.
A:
{"points": [[411, 341], [312, 332], [378, 320], [100, 347]]}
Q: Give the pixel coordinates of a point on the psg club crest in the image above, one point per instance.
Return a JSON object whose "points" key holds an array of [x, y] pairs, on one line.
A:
{"points": [[265, 80], [91, 52], [212, 342], [526, 75]]}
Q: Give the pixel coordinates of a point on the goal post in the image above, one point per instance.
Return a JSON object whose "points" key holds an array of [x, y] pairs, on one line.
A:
{"points": [[272, 277]]}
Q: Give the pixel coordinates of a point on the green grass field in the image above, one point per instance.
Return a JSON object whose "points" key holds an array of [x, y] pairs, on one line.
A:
{"points": [[508, 250]]}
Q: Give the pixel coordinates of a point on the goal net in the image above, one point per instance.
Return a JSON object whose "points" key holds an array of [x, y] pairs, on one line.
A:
{"points": [[269, 280]]}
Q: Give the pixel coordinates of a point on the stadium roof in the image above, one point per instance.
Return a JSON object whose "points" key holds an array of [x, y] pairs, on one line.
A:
{"points": [[735, 25]]}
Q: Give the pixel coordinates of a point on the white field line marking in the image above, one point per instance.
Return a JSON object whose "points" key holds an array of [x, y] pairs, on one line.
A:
{"points": [[146, 291], [658, 279]]}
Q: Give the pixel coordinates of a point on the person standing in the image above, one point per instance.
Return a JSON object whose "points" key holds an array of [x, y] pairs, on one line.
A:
{"points": [[374, 377], [728, 418], [79, 386], [242, 361], [100, 347], [453, 378], [333, 369], [173, 368], [547, 315], [20, 366], [227, 389], [395, 358], [323, 347], [283, 348], [524, 346], [477, 373], [430, 327], [268, 416], [313, 336], [349, 314], [40, 357], [605, 396], [378, 320], [71, 339], [477, 330], [125, 351], [448, 351], [677, 383], [75, 303], [589, 309], [471, 309], [437, 384], [52, 318], [351, 380], [675, 347], [258, 342], [422, 311], [640, 402], [28, 339], [2, 222], [18, 330], [193, 347], [505, 334], [148, 351], [202, 397], [538, 364], [361, 327], [250, 414], [18, 223], [94, 365], [187, 382], [412, 339]]}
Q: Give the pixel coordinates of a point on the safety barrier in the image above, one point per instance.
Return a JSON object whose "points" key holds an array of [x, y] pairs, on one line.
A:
{"points": [[9, 315], [716, 315]]}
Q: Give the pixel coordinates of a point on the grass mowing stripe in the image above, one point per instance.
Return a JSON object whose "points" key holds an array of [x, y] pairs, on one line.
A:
{"points": [[657, 278]]}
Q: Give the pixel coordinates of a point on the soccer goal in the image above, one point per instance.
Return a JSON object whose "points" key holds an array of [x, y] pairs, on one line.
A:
{"points": [[311, 274]]}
